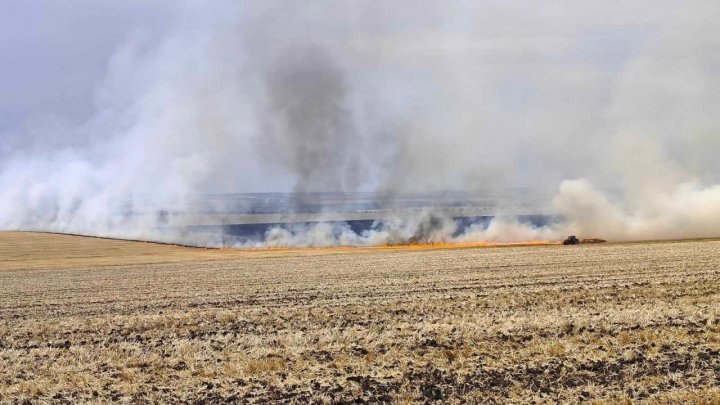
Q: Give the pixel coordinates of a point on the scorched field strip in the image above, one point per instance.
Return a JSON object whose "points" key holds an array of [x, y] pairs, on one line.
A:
{"points": [[86, 319]]}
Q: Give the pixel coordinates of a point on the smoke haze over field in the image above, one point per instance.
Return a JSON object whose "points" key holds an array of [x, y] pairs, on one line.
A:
{"points": [[116, 120]]}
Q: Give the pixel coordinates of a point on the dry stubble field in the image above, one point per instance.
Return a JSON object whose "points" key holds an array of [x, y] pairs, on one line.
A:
{"points": [[91, 320]]}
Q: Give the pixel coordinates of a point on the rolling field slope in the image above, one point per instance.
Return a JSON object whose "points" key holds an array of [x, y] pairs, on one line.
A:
{"points": [[84, 319]]}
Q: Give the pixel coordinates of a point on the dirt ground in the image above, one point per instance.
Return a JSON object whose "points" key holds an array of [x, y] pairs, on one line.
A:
{"points": [[93, 320]]}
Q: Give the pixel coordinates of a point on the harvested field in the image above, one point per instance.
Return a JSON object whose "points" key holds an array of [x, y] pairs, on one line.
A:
{"points": [[92, 320]]}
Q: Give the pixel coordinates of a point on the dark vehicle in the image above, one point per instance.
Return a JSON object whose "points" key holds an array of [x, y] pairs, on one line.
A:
{"points": [[571, 240]]}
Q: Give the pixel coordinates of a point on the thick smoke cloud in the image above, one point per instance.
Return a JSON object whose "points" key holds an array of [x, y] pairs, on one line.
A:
{"points": [[611, 107], [309, 130]]}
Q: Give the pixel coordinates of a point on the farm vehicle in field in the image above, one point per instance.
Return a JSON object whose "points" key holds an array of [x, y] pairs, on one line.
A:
{"points": [[573, 240]]}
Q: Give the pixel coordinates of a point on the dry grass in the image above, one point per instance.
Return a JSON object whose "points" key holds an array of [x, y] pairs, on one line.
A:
{"points": [[90, 320]]}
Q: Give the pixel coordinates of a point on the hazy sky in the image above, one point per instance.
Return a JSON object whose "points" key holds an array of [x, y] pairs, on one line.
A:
{"points": [[458, 94], [54, 54]]}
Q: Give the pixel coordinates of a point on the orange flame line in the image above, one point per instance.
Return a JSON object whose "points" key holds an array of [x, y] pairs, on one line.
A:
{"points": [[443, 245], [439, 245]]}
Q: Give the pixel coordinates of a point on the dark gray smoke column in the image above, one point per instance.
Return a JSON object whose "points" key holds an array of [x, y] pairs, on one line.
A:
{"points": [[309, 130]]}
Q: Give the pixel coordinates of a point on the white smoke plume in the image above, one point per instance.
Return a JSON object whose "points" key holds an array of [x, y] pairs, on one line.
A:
{"points": [[611, 107]]}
